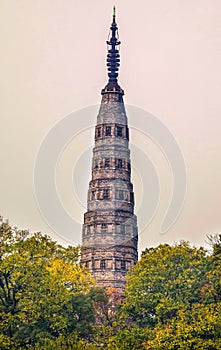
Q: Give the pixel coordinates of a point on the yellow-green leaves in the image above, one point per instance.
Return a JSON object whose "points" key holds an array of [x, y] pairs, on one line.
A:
{"points": [[43, 289]]}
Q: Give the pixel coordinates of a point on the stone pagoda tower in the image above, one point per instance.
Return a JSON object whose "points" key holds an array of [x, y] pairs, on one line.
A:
{"points": [[109, 238]]}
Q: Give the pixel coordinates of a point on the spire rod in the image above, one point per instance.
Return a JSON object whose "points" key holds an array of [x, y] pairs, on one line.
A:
{"points": [[114, 12], [113, 56]]}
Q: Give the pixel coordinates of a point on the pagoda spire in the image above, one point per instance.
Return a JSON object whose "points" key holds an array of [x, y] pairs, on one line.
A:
{"points": [[113, 57]]}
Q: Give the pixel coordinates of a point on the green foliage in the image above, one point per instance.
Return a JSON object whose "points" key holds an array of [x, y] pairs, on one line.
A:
{"points": [[71, 342], [165, 280], [128, 339], [198, 328], [43, 290], [48, 301], [173, 300]]}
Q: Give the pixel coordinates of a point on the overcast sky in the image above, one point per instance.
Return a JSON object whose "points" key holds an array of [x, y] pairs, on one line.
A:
{"points": [[53, 63]]}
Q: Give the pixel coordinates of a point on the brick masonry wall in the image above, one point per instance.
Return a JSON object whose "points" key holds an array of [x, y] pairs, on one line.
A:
{"points": [[109, 236]]}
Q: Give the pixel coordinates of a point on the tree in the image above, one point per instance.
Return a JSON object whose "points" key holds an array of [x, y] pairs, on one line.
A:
{"points": [[198, 328], [43, 290], [213, 290], [165, 280], [172, 300], [48, 301]]}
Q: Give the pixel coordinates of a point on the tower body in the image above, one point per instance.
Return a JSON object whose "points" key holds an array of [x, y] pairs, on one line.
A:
{"points": [[109, 237]]}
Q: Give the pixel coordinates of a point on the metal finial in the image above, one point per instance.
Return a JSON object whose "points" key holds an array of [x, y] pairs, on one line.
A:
{"points": [[113, 56], [114, 15]]}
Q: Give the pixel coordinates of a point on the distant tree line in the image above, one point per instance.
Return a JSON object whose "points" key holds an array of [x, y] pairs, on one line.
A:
{"points": [[48, 301]]}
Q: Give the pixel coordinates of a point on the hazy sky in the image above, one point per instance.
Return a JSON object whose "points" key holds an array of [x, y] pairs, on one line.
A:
{"points": [[53, 62]]}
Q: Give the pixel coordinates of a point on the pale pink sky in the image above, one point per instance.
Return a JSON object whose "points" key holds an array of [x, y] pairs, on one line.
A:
{"points": [[53, 62]]}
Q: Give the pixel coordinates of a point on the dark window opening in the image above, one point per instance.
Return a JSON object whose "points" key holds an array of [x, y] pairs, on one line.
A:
{"points": [[92, 195], [96, 163], [131, 197], [98, 132], [106, 194], [123, 264], [107, 162], [108, 131], [119, 131], [127, 133], [103, 227], [119, 163], [103, 264]]}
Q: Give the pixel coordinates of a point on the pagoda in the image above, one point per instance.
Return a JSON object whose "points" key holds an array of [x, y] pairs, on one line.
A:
{"points": [[110, 234]]}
